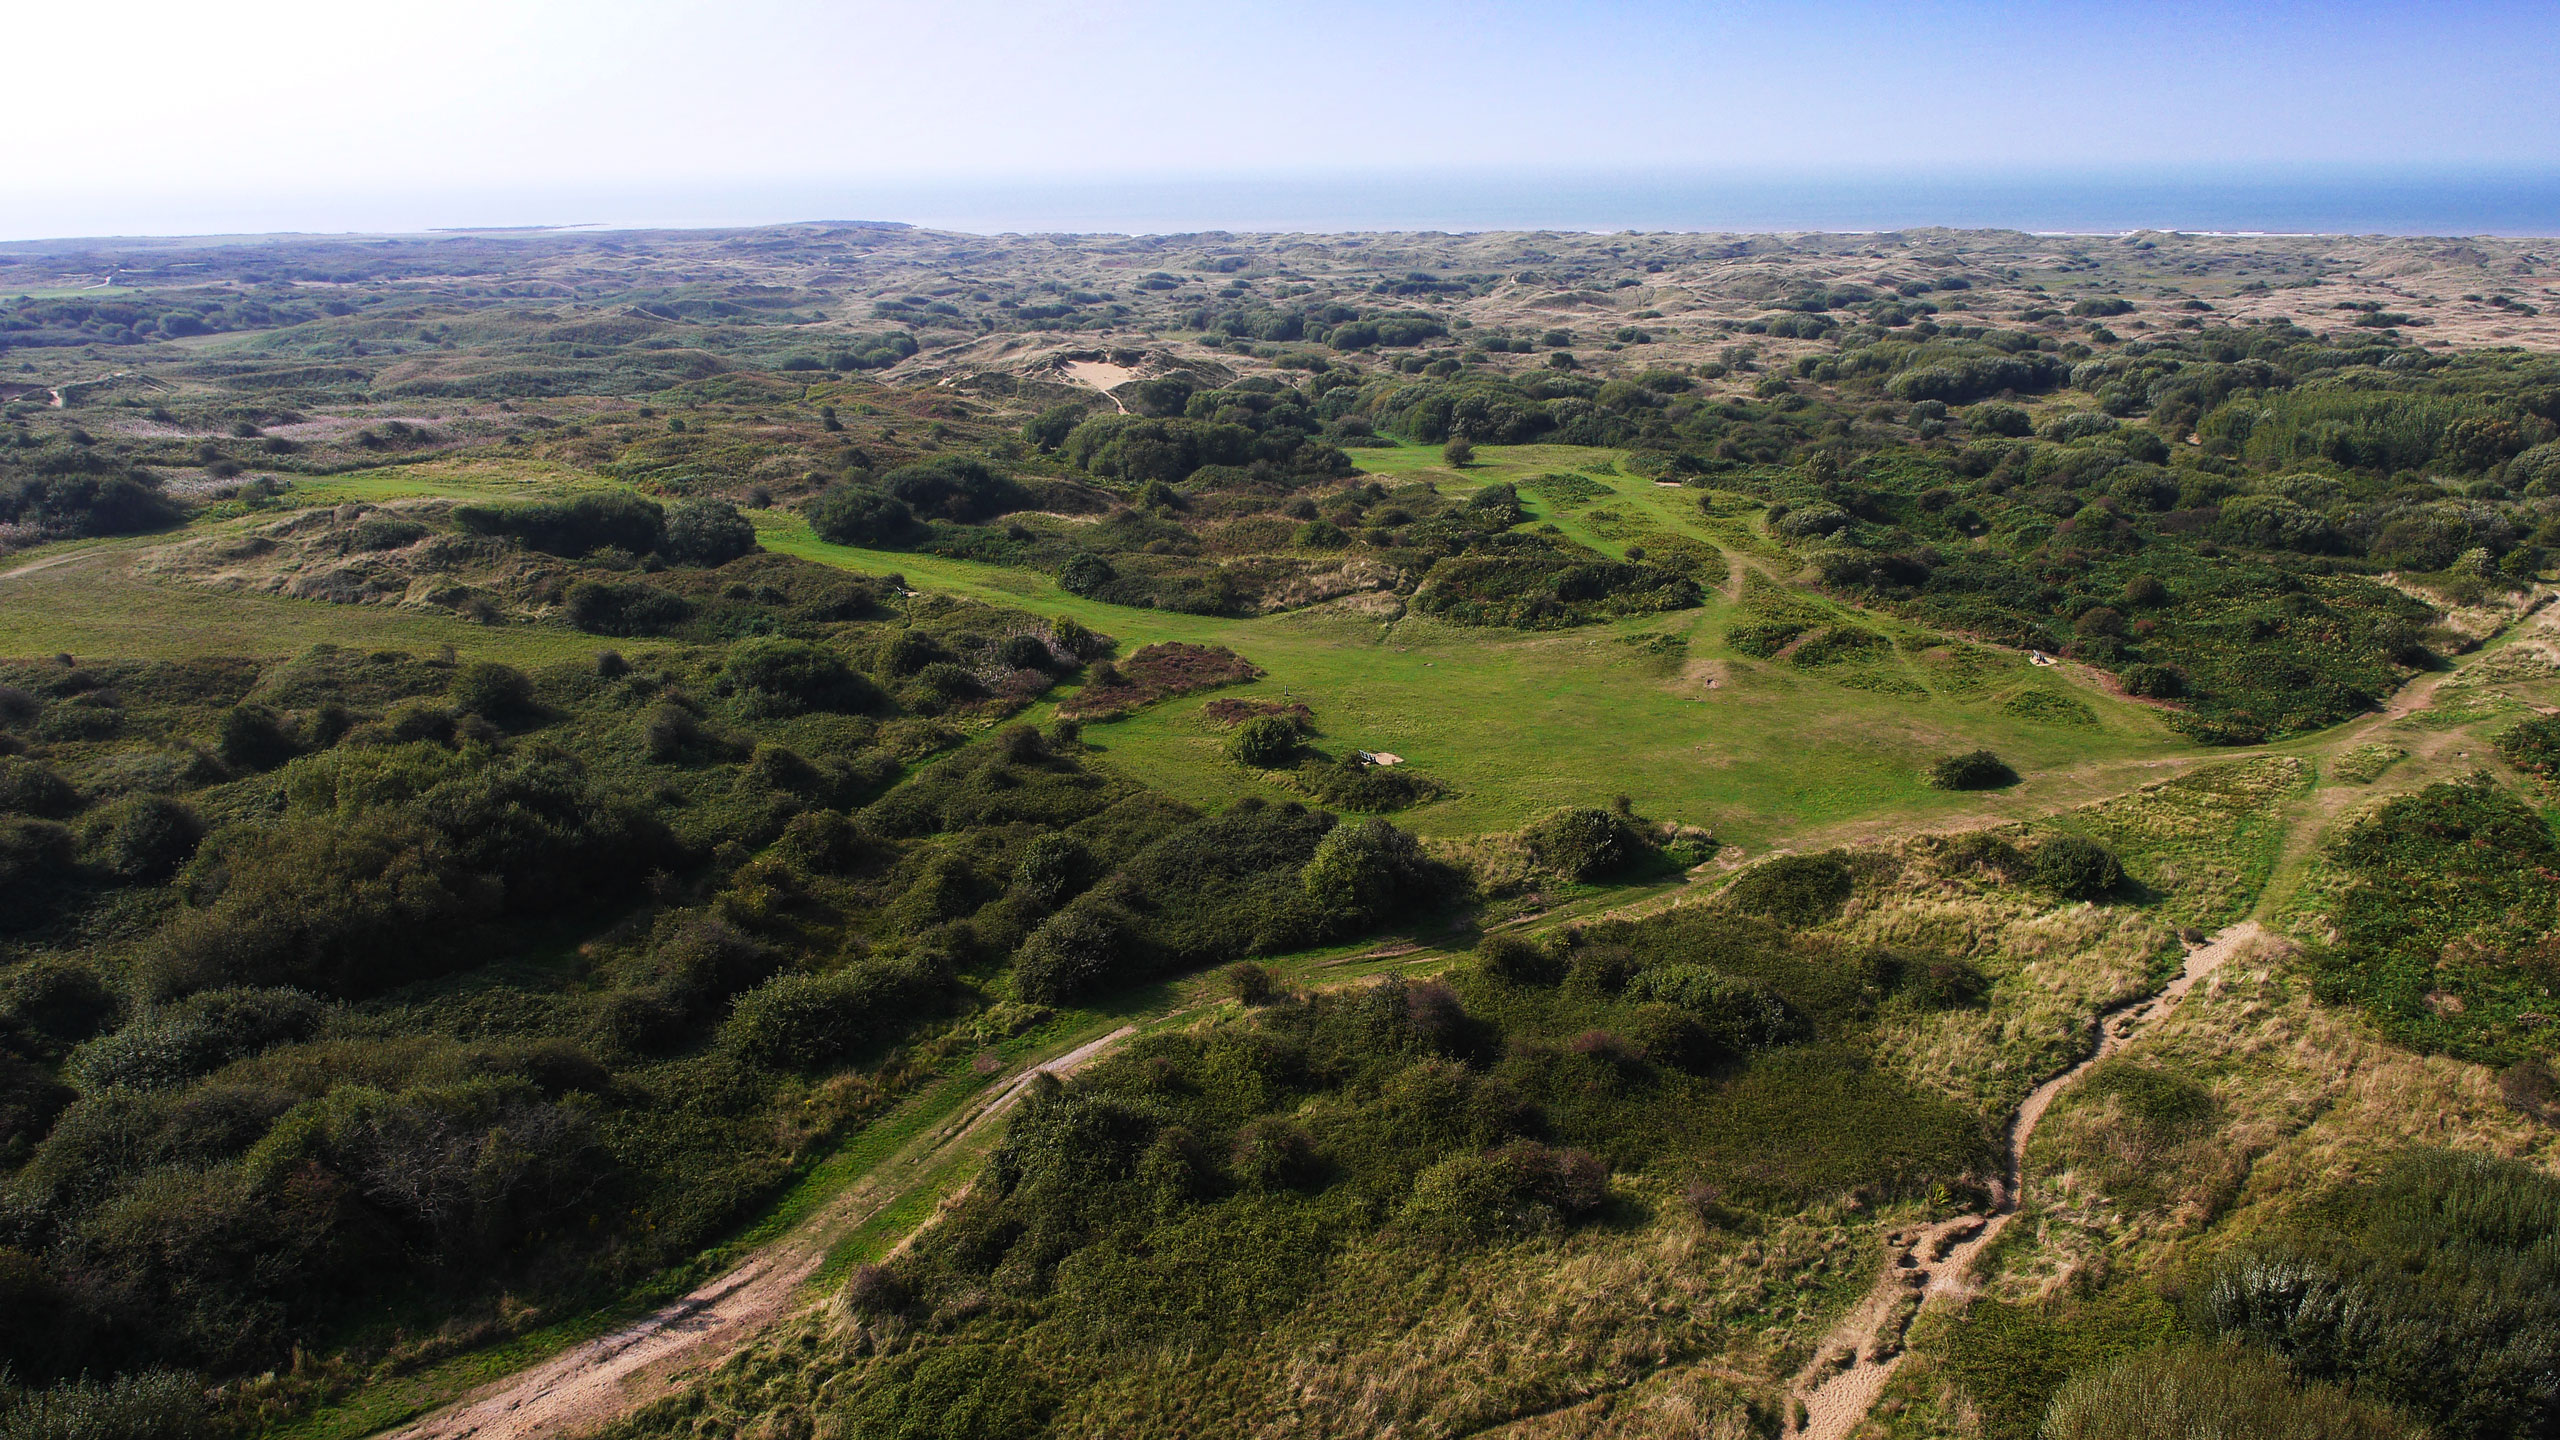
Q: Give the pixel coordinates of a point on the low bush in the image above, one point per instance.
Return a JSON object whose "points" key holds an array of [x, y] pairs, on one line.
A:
{"points": [[31, 787], [1265, 742], [852, 514], [2532, 746], [2077, 868], [142, 838], [773, 676], [144, 1405], [2188, 1390], [580, 525], [800, 1022], [195, 1037], [1974, 770], [2430, 1287], [708, 533], [1584, 844], [1793, 889]]}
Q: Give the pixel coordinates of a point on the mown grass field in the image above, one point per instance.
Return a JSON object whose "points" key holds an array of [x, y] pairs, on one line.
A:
{"points": [[1655, 707], [1518, 723]]}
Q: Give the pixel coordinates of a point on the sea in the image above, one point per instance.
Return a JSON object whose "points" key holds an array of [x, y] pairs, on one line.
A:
{"points": [[2324, 200]]}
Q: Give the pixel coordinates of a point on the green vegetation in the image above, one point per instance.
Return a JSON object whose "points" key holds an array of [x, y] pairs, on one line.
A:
{"points": [[1973, 770], [530, 769], [1194, 1194], [2533, 747], [2429, 1287], [2444, 911]]}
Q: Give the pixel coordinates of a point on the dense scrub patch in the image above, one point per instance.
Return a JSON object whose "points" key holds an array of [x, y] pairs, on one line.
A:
{"points": [[1203, 1190], [2443, 904]]}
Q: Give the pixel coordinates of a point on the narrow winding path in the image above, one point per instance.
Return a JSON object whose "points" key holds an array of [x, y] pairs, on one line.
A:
{"points": [[592, 1384], [1932, 1262]]}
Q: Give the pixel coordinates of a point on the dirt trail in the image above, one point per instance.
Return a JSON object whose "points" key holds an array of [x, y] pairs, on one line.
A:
{"points": [[586, 1387], [1853, 1363], [46, 564]]}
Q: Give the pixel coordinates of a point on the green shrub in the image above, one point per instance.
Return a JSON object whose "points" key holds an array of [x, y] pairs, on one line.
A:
{"points": [[143, 837], [634, 607], [1265, 742], [142, 1405], [708, 533], [254, 737], [1584, 844], [2190, 1390], [1793, 889], [800, 1022], [580, 525], [2005, 420], [1519, 959], [774, 676], [2077, 868], [1075, 952], [2432, 1287], [1519, 1188], [1974, 770], [386, 532], [195, 1037], [1085, 574], [1251, 984], [2532, 746], [851, 514], [495, 692], [950, 487], [48, 1005], [31, 787], [1736, 1016], [1365, 870], [1053, 869]]}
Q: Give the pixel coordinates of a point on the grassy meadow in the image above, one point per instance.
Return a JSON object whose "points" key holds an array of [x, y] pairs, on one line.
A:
{"points": [[1655, 707]]}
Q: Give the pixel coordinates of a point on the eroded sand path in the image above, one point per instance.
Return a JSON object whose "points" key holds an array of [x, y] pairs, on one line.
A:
{"points": [[592, 1384], [1933, 1262]]}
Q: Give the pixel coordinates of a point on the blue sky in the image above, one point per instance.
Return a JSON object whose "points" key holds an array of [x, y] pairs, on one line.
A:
{"points": [[262, 113]]}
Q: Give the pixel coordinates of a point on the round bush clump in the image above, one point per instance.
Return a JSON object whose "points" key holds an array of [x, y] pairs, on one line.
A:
{"points": [[492, 691], [1265, 742], [1583, 844], [1974, 770], [2077, 868], [1793, 889]]}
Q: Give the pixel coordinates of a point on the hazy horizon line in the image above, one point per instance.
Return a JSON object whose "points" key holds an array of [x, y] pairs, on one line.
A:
{"points": [[2241, 199]]}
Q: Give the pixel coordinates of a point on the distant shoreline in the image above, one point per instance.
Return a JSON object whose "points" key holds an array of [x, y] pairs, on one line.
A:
{"points": [[2303, 202]]}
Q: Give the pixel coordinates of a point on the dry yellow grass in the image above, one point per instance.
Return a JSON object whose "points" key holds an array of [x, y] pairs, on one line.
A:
{"points": [[2306, 1097]]}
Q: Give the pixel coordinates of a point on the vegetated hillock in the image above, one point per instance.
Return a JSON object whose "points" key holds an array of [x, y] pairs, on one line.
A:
{"points": [[259, 1069], [2418, 1294], [602, 561], [1275, 739], [2445, 906], [1157, 672], [74, 489], [1230, 1192], [2227, 575]]}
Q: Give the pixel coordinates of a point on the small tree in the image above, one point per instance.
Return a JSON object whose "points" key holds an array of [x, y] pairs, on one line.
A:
{"points": [[1459, 452]]}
